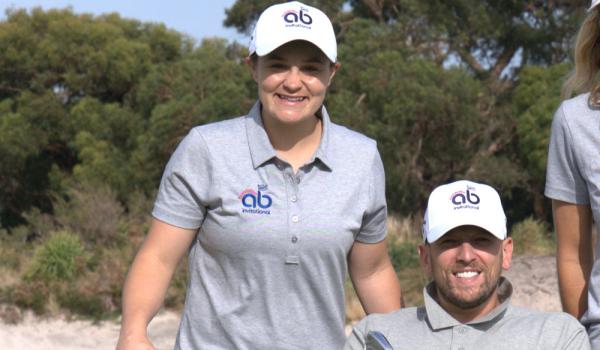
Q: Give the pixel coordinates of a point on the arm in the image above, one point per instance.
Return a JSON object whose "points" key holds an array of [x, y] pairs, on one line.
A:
{"points": [[574, 254], [148, 279], [374, 277]]}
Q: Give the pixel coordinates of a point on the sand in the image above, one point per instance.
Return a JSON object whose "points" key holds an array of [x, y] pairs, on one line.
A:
{"points": [[534, 280]]}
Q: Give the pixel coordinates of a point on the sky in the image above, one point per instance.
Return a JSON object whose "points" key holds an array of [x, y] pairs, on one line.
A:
{"points": [[197, 18]]}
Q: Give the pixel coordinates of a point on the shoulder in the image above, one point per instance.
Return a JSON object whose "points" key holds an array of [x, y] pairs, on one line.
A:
{"points": [[345, 136], [350, 147], [576, 108], [545, 320], [221, 130]]}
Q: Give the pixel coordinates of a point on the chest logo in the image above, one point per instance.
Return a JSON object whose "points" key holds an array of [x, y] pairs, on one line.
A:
{"points": [[256, 202]]}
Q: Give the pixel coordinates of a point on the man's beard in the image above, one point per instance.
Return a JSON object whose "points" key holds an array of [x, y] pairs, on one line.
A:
{"points": [[488, 287], [485, 293]]}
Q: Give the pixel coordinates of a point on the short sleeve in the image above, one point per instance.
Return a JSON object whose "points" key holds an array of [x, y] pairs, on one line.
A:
{"points": [[564, 180], [374, 225], [185, 184]]}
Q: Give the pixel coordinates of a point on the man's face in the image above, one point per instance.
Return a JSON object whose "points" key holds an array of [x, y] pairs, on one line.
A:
{"points": [[465, 265]]}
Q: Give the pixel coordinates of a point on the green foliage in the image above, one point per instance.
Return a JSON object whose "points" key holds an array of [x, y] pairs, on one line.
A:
{"points": [[404, 255], [532, 237], [535, 99], [62, 257]]}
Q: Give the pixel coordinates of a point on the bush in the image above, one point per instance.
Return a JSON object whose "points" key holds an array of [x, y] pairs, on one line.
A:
{"points": [[92, 212], [60, 258], [532, 237], [31, 295], [404, 254]]}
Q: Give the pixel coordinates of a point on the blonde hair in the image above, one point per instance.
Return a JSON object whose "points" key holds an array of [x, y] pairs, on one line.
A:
{"points": [[584, 78]]}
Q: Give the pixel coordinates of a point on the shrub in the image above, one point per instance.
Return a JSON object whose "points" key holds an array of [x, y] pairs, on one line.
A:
{"points": [[92, 212], [31, 295], [61, 258], [404, 254], [532, 237]]}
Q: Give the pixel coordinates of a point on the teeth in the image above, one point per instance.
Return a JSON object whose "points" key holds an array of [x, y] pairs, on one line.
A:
{"points": [[467, 274], [292, 99]]}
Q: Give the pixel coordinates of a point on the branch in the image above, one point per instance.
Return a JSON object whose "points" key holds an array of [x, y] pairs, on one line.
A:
{"points": [[376, 7], [503, 61]]}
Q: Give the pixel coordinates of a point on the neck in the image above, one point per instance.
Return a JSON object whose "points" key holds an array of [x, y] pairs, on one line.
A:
{"points": [[295, 143], [465, 315]]}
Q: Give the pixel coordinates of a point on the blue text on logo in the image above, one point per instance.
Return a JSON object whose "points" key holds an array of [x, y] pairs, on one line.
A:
{"points": [[263, 201]]}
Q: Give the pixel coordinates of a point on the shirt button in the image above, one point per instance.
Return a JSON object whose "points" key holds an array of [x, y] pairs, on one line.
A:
{"points": [[294, 199], [297, 180], [462, 330], [294, 239], [295, 218]]}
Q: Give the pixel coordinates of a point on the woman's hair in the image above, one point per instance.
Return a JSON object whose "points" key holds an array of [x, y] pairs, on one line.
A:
{"points": [[584, 78]]}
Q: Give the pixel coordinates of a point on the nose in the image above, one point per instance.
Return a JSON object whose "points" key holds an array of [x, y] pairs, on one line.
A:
{"points": [[465, 252], [293, 79]]}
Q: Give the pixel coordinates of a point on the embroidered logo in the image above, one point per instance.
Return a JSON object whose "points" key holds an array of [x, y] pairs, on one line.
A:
{"points": [[256, 202], [297, 19], [465, 199]]}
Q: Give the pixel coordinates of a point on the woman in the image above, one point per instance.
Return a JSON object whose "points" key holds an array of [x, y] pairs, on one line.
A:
{"points": [[272, 208], [573, 180]]}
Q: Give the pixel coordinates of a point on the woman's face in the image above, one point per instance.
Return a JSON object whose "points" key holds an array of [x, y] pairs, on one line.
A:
{"points": [[292, 81]]}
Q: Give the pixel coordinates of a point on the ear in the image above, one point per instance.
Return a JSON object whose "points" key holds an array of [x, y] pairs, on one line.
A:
{"points": [[507, 251], [334, 69], [425, 258], [252, 65]]}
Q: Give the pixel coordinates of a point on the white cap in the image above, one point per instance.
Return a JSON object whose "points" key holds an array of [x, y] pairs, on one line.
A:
{"points": [[463, 203], [594, 4], [282, 23]]}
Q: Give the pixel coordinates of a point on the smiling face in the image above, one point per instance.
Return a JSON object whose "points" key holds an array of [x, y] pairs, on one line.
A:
{"points": [[465, 265], [292, 82]]}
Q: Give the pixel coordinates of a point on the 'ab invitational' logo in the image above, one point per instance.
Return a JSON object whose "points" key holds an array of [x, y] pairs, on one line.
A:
{"points": [[297, 19], [468, 199], [256, 202]]}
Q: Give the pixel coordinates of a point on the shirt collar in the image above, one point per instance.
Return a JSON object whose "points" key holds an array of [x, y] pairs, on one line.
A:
{"points": [[439, 318], [261, 149]]}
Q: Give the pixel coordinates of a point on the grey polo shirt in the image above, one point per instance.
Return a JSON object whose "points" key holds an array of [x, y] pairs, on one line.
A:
{"points": [[506, 327], [268, 265], [573, 176]]}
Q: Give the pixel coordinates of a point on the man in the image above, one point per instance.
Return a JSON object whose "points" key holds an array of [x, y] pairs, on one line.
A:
{"points": [[467, 304]]}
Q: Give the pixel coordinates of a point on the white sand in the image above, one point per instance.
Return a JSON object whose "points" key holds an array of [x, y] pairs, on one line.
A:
{"points": [[534, 280], [35, 333]]}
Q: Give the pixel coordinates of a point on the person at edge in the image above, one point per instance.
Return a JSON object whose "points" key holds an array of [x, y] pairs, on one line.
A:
{"points": [[467, 304], [272, 207], [573, 180]]}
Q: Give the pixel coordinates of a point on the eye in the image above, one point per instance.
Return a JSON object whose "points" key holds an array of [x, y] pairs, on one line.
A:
{"points": [[448, 242], [483, 241]]}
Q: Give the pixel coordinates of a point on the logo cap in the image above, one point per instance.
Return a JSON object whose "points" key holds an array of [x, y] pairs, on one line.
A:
{"points": [[282, 23], [463, 203]]}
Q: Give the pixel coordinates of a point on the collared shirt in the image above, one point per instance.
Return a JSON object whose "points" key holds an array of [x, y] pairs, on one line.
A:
{"points": [[573, 176], [268, 266], [505, 327]]}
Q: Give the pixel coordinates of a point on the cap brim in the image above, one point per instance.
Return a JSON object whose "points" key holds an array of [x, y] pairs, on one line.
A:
{"points": [[497, 229], [266, 49]]}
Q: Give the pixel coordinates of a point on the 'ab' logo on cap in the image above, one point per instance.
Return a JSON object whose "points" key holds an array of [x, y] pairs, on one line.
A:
{"points": [[468, 199], [292, 18]]}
